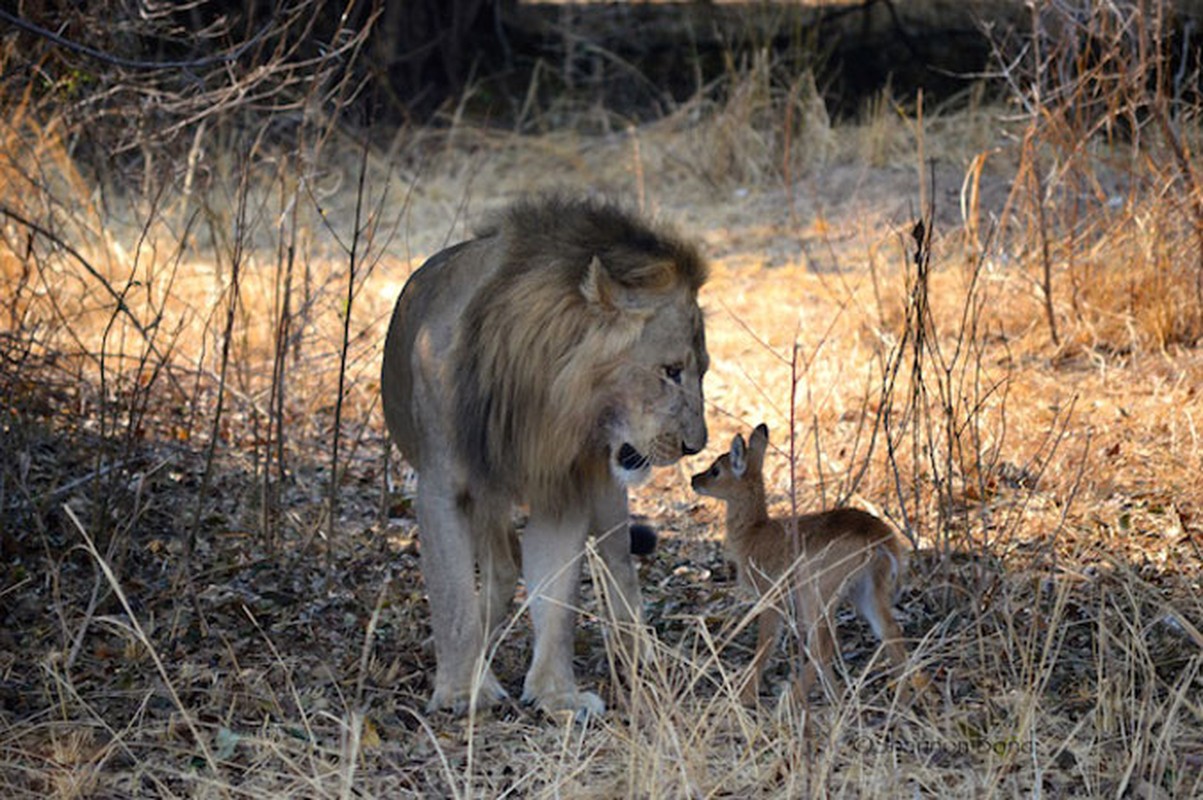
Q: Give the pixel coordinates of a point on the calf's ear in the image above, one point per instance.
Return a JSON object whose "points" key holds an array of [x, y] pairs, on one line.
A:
{"points": [[739, 456], [758, 442]]}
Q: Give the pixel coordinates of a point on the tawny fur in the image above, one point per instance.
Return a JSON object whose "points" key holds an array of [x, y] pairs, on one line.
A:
{"points": [[843, 553], [550, 361]]}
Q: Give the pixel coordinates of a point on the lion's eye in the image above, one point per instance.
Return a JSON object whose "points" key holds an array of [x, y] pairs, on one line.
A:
{"points": [[673, 373], [714, 471]]}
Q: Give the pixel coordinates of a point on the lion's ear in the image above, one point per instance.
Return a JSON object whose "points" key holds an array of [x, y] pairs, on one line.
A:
{"points": [[599, 288]]}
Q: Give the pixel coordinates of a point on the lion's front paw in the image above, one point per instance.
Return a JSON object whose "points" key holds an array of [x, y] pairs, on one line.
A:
{"points": [[458, 699], [582, 704]]}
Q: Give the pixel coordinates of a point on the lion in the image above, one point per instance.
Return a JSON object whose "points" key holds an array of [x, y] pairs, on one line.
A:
{"points": [[552, 361]]}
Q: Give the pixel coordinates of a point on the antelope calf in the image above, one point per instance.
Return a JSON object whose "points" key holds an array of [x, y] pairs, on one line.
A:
{"points": [[843, 553]]}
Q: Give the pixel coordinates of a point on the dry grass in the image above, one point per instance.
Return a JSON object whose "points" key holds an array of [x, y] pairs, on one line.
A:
{"points": [[192, 606]]}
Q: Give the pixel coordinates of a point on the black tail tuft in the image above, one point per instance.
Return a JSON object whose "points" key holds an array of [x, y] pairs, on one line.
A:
{"points": [[643, 539]]}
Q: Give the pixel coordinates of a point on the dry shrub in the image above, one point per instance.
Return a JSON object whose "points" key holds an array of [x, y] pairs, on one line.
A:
{"points": [[1106, 209], [885, 135], [39, 182], [1137, 287], [167, 297], [759, 124]]}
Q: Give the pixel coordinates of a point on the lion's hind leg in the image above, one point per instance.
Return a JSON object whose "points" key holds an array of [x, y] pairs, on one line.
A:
{"points": [[463, 677], [498, 561]]}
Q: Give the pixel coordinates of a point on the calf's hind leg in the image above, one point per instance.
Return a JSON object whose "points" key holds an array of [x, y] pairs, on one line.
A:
{"points": [[768, 627]]}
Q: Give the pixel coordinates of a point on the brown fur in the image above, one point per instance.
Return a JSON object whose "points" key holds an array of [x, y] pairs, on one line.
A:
{"points": [[840, 553]]}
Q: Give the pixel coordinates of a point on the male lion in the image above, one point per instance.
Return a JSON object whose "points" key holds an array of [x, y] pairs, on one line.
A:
{"points": [[551, 361]]}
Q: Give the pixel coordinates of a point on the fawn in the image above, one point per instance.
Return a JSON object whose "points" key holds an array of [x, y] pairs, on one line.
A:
{"points": [[842, 553]]}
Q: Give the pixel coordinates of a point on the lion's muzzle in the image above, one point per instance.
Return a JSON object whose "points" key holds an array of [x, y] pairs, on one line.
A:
{"points": [[694, 441], [629, 466], [631, 459]]}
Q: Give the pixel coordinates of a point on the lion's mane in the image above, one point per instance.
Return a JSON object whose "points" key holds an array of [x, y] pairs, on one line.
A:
{"points": [[536, 359]]}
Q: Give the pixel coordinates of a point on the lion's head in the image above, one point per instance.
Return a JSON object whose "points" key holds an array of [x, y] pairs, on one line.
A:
{"points": [[584, 352]]}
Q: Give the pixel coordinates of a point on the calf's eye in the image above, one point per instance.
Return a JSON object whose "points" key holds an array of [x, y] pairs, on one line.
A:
{"points": [[673, 372]]}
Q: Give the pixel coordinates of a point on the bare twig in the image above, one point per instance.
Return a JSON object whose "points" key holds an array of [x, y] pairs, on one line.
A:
{"points": [[130, 63], [118, 297]]}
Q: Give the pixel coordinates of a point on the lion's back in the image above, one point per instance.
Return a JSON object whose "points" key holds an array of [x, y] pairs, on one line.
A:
{"points": [[416, 369]]}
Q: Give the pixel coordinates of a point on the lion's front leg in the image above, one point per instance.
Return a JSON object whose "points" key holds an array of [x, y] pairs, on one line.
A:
{"points": [[463, 678], [551, 561]]}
